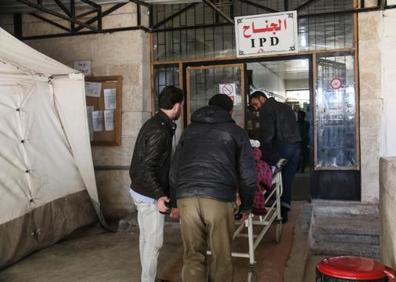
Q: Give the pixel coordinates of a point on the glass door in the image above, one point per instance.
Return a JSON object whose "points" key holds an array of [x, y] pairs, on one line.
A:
{"points": [[205, 81], [336, 174]]}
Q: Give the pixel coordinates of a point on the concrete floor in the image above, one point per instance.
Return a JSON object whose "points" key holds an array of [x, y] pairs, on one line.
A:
{"points": [[92, 254], [301, 186]]}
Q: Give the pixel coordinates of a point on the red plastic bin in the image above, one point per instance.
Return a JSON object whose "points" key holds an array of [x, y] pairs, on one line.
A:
{"points": [[353, 269]]}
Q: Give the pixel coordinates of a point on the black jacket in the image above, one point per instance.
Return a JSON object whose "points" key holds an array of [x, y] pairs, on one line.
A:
{"points": [[214, 159], [150, 163], [278, 126]]}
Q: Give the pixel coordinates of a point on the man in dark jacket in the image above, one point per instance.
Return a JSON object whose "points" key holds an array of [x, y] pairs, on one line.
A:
{"points": [[279, 138], [149, 174], [213, 161]]}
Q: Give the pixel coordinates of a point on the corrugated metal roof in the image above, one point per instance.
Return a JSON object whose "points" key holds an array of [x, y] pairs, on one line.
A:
{"points": [[13, 6]]}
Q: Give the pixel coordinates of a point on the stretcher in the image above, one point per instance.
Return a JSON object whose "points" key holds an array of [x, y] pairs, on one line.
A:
{"points": [[263, 222]]}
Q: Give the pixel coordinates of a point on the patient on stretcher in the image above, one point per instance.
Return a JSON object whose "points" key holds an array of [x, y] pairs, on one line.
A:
{"points": [[263, 181]]}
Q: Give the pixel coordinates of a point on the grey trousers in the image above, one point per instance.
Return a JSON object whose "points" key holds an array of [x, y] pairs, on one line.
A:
{"points": [[206, 224]]}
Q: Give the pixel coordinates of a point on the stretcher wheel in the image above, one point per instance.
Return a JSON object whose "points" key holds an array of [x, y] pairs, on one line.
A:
{"points": [[278, 232], [252, 274]]}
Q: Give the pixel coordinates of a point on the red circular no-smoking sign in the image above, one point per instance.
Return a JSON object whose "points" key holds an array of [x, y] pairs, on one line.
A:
{"points": [[228, 89], [336, 83]]}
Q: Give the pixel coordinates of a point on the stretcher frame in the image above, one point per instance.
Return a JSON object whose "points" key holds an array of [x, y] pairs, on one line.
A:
{"points": [[273, 215]]}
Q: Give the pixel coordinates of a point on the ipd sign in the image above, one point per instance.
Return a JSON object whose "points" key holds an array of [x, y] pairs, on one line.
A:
{"points": [[266, 34]]}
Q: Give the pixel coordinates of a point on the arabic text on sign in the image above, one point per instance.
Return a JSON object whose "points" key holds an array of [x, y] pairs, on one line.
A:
{"points": [[272, 27]]}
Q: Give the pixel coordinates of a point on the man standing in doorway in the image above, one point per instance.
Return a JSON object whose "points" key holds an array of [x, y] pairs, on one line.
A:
{"points": [[213, 161], [149, 173], [280, 138]]}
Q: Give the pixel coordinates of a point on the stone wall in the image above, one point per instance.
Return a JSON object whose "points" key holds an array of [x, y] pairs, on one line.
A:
{"points": [[122, 53], [388, 211], [377, 99], [388, 144], [371, 103], [377, 53], [125, 16], [388, 53]]}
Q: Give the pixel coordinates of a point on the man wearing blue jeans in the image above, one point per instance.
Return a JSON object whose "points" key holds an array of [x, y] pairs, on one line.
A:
{"points": [[280, 139], [149, 175]]}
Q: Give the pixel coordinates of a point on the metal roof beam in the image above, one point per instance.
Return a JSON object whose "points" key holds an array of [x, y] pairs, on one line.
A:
{"points": [[56, 14], [63, 7], [105, 13], [218, 10], [91, 3], [140, 3], [49, 21], [305, 4], [174, 15], [257, 5]]}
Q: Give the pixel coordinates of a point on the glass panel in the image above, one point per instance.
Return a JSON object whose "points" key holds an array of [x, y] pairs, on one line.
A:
{"points": [[164, 76], [335, 113], [204, 83], [325, 32], [320, 32]]}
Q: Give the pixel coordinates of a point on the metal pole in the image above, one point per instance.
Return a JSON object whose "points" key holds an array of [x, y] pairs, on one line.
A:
{"points": [[18, 25], [73, 15]]}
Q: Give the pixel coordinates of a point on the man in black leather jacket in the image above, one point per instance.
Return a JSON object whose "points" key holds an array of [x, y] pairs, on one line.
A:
{"points": [[213, 161], [149, 174], [279, 138]]}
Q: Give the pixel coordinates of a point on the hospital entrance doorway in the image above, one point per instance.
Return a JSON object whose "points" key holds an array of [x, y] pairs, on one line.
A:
{"points": [[287, 81]]}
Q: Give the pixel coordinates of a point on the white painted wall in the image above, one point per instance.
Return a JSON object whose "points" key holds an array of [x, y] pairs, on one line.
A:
{"points": [[264, 78], [297, 84]]}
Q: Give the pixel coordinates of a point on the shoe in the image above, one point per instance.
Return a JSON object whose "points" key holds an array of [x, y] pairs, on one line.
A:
{"points": [[284, 214]]}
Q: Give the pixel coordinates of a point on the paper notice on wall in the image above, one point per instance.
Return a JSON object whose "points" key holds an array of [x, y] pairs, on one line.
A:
{"points": [[90, 121], [83, 66], [109, 120], [110, 98], [97, 121], [92, 89]]}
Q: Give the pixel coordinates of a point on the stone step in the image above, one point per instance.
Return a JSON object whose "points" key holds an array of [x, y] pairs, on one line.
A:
{"points": [[345, 249], [346, 225], [333, 208], [343, 228], [369, 240]]}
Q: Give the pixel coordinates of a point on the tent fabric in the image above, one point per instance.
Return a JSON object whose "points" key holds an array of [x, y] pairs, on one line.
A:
{"points": [[45, 153], [28, 59], [71, 107]]}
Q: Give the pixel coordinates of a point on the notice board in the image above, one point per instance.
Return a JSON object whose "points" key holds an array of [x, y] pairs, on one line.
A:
{"points": [[104, 105]]}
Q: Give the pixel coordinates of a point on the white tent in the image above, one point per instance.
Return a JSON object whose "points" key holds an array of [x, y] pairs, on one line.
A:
{"points": [[47, 181]]}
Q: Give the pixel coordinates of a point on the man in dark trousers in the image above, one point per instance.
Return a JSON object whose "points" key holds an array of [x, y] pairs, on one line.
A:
{"points": [[213, 161], [279, 138], [149, 174]]}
